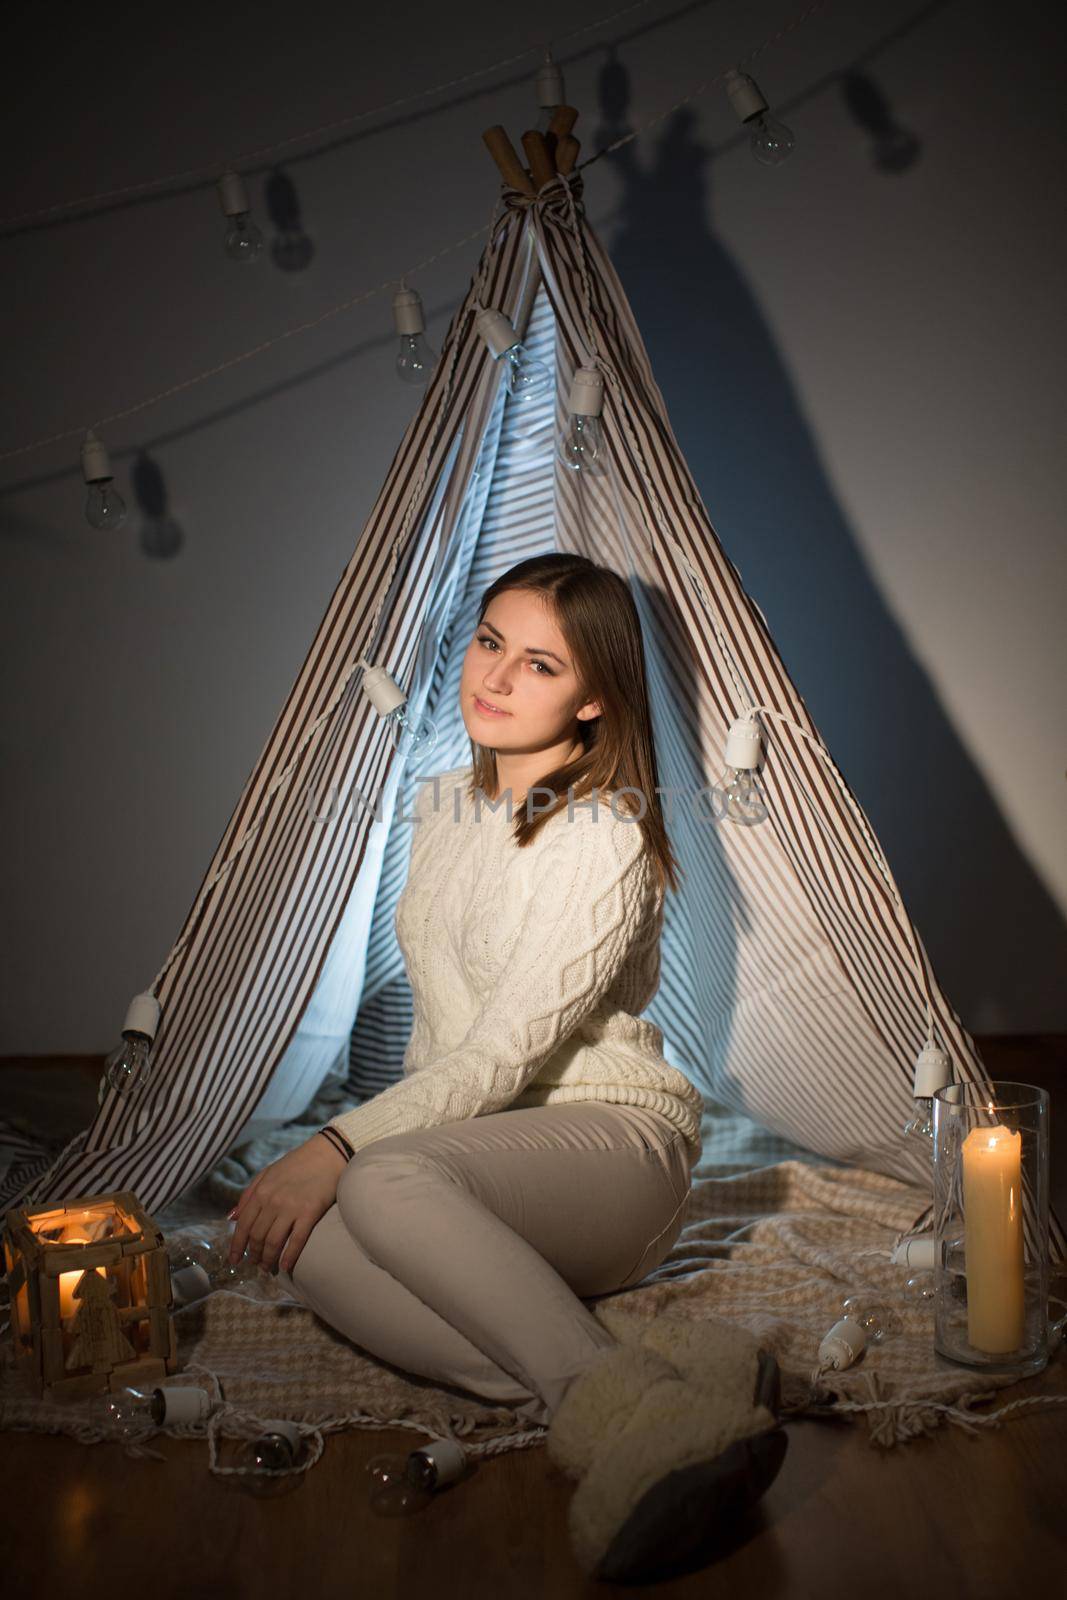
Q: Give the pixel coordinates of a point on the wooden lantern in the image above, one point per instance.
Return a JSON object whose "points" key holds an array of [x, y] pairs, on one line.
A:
{"points": [[90, 1296]]}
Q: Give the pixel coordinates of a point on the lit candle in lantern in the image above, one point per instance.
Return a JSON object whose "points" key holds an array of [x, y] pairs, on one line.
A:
{"points": [[992, 1207], [68, 1281]]}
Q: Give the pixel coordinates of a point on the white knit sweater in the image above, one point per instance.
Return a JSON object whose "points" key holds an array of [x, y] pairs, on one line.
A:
{"points": [[528, 967]]}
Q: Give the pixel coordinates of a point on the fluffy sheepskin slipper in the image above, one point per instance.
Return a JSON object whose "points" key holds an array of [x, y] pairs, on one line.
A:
{"points": [[710, 1351], [664, 1464]]}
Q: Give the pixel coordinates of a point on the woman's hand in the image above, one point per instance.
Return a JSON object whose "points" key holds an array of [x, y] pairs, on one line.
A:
{"points": [[285, 1201]]}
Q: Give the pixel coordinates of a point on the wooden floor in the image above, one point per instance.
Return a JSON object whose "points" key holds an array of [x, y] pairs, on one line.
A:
{"points": [[979, 1517]]}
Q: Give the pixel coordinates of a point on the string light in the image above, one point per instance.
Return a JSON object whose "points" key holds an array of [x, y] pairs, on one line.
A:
{"points": [[345, 305], [127, 1066], [243, 241], [580, 445], [738, 796], [104, 506], [411, 735], [550, 91], [414, 360], [526, 376], [771, 142]]}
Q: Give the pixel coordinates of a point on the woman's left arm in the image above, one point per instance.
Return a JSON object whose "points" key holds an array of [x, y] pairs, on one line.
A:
{"points": [[588, 903]]}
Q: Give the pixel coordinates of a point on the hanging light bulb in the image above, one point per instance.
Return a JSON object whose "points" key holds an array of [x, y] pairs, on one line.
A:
{"points": [[104, 506], [126, 1067], [918, 1255], [526, 376], [243, 242], [415, 359], [401, 1484], [134, 1410], [933, 1070], [550, 92], [411, 735], [738, 796], [771, 141], [861, 1325], [580, 444]]}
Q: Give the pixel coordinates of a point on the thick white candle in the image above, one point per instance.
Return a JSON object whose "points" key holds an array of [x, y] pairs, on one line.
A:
{"points": [[993, 1248]]}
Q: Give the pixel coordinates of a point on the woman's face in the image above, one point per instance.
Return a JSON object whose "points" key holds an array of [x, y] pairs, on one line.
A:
{"points": [[519, 661]]}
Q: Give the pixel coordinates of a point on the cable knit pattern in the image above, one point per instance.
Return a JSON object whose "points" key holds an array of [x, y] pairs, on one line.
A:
{"points": [[528, 967]]}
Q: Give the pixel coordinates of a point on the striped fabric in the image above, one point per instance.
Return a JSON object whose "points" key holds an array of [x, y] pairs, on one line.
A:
{"points": [[789, 989]]}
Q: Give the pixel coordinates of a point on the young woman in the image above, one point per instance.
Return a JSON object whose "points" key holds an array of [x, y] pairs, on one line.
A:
{"points": [[537, 1151]]}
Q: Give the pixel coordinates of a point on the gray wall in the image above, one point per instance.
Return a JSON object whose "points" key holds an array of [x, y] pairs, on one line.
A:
{"points": [[861, 366]]}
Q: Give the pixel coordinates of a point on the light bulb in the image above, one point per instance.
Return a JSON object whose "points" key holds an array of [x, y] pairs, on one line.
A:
{"points": [[243, 241], [771, 140], [275, 1448], [876, 1320], [411, 736], [861, 1325], [126, 1067], [920, 1287], [199, 1265], [104, 506], [526, 376], [401, 1485], [135, 1409], [921, 1124], [580, 444], [414, 359], [738, 796], [392, 1491]]}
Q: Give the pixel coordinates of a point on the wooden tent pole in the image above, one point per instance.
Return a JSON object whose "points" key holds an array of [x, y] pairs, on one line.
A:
{"points": [[506, 157]]}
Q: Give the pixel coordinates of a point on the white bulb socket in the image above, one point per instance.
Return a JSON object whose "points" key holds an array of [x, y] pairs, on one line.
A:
{"points": [[142, 1015], [189, 1283], [448, 1457], [586, 398], [233, 196], [407, 311], [744, 93], [743, 744], [933, 1070], [920, 1253], [186, 1403], [288, 1431], [381, 691], [96, 463], [844, 1344], [496, 330], [549, 83]]}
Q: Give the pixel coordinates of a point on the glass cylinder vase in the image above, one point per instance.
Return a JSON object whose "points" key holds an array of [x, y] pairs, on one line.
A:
{"points": [[991, 1218]]}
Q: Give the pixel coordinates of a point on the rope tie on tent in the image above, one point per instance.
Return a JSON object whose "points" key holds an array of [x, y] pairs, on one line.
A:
{"points": [[750, 707]]}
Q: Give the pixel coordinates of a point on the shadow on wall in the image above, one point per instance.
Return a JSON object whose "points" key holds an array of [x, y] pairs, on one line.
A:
{"points": [[742, 430]]}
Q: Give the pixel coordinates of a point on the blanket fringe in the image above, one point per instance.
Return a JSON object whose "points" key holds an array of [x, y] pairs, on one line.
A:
{"points": [[895, 1421]]}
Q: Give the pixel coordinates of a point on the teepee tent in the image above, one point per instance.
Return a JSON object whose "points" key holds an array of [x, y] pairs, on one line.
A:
{"points": [[794, 985]]}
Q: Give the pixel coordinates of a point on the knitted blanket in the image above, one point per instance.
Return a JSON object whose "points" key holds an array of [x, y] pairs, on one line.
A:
{"points": [[774, 1237]]}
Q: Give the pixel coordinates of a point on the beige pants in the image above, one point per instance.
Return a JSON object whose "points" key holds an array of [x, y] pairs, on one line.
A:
{"points": [[463, 1253]]}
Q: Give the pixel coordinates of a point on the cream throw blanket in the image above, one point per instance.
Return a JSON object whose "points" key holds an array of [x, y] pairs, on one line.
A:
{"points": [[775, 1238]]}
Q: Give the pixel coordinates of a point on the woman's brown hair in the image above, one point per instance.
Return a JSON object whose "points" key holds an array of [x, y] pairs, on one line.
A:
{"points": [[596, 614]]}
